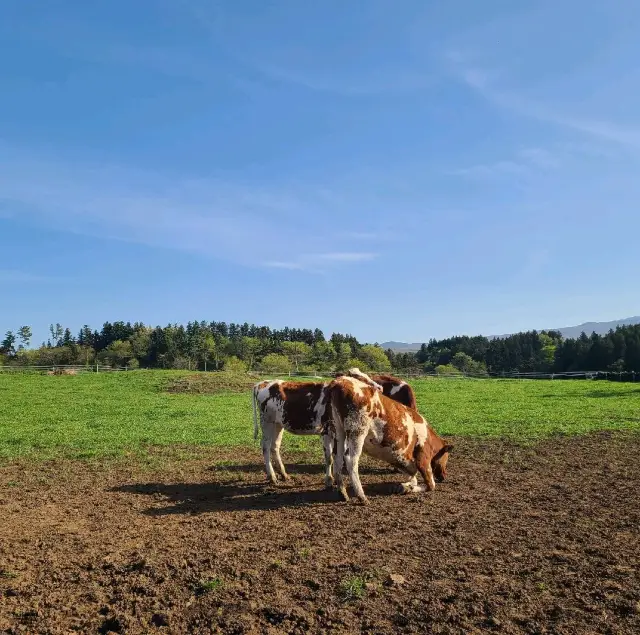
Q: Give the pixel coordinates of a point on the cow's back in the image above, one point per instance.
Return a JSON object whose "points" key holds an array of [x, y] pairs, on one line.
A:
{"points": [[396, 389]]}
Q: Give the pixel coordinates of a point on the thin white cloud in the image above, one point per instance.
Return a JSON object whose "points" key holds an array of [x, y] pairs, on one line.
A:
{"points": [[13, 276], [540, 157], [398, 81], [488, 170], [525, 163], [228, 220], [275, 264], [481, 81], [608, 130], [242, 40], [343, 257], [317, 263]]}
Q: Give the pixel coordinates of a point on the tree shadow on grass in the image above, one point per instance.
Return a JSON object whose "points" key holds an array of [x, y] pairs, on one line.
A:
{"points": [[601, 394], [594, 394], [199, 498]]}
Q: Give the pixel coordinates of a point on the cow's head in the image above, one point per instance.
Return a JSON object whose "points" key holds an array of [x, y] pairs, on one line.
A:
{"points": [[439, 461]]}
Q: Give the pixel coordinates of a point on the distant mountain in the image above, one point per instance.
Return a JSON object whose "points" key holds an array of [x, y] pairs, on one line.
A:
{"points": [[567, 331], [599, 327], [401, 347]]}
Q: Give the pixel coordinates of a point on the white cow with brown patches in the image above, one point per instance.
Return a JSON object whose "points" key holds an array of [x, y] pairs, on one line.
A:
{"points": [[366, 420], [301, 408]]}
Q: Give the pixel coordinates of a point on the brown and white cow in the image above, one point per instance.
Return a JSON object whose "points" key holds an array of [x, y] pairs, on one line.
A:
{"points": [[300, 408], [366, 420], [399, 390]]}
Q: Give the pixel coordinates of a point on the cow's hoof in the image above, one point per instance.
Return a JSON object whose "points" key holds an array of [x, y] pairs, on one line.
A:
{"points": [[343, 493], [363, 501]]}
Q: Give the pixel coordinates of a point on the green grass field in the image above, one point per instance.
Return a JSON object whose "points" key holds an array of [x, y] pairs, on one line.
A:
{"points": [[95, 415]]}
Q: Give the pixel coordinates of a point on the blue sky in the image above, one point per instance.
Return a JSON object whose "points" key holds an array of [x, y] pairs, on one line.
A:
{"points": [[397, 170]]}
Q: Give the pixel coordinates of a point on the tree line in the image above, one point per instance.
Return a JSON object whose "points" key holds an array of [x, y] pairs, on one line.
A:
{"points": [[240, 347], [198, 345]]}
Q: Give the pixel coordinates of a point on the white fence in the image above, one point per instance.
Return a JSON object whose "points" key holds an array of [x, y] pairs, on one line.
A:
{"points": [[583, 374], [61, 369], [314, 374]]}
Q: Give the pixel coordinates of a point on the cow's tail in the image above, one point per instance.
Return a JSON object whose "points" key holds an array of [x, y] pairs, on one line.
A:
{"points": [[254, 399]]}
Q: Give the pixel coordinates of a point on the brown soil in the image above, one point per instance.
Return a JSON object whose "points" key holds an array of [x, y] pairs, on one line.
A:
{"points": [[518, 540]]}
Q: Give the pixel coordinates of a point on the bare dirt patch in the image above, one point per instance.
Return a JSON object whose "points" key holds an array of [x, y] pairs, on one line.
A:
{"points": [[540, 539], [212, 383]]}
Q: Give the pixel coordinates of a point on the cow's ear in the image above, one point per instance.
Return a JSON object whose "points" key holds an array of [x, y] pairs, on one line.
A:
{"points": [[448, 447]]}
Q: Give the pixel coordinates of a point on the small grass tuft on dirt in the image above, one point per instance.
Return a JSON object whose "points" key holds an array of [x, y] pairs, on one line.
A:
{"points": [[352, 588], [210, 586], [7, 575]]}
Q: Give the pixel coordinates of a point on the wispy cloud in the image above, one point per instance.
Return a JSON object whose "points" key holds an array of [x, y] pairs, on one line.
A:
{"points": [[277, 264], [526, 162], [540, 157], [13, 276], [220, 218], [287, 57], [485, 82], [608, 130], [343, 257], [398, 81], [498, 168], [318, 262]]}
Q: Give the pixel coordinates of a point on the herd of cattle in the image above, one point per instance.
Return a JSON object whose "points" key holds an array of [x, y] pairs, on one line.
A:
{"points": [[353, 413]]}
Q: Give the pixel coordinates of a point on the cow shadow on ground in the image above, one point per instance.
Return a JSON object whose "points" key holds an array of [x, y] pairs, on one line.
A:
{"points": [[292, 468], [200, 498]]}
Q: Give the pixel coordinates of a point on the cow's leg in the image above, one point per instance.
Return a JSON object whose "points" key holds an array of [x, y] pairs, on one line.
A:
{"points": [[407, 466], [275, 447], [339, 462], [409, 486], [355, 441], [327, 442], [423, 463], [268, 433]]}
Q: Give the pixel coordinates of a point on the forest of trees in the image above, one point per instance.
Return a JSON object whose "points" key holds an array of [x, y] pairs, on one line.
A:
{"points": [[218, 345]]}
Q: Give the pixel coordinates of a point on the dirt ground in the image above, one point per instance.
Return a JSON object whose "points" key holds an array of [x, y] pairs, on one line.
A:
{"points": [[517, 540]]}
